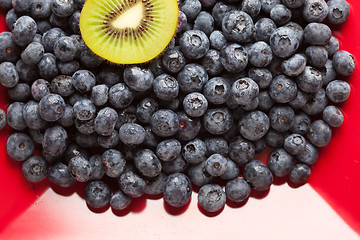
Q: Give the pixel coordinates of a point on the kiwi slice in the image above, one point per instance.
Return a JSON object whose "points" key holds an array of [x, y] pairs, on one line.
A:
{"points": [[128, 31]]}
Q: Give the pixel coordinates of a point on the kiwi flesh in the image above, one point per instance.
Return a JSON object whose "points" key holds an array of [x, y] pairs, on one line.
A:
{"points": [[128, 31]]}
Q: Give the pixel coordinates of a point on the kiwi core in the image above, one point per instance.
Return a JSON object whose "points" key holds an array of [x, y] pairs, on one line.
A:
{"points": [[131, 18]]}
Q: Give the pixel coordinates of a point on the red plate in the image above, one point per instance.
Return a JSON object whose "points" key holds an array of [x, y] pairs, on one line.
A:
{"points": [[25, 213]]}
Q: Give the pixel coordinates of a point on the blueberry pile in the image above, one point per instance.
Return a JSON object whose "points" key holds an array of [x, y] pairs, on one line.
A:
{"points": [[239, 76]]}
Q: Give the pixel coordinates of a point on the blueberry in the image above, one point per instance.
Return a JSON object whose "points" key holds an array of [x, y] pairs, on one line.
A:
{"points": [[155, 186], [204, 22], [309, 156], [40, 9], [188, 127], [191, 8], [120, 95], [282, 89], [113, 162], [258, 175], [85, 110], [83, 80], [300, 174], [254, 125], [301, 124], [208, 3], [194, 44], [109, 141], [217, 40], [32, 116], [164, 123], [97, 169], [132, 134], [68, 68], [339, 11], [267, 5], [216, 145], [317, 33], [105, 121], [195, 104], [338, 91], [24, 30], [138, 79], [131, 184], [238, 26], [54, 141], [42, 27], [317, 56], [11, 17], [97, 194], [315, 10], [265, 101], [119, 200], [319, 133], [280, 14], [39, 89], [174, 166], [146, 109], [332, 46], [310, 80], [8, 50], [316, 102], [27, 73], [328, 73], [168, 150], [147, 163], [192, 78], [217, 90], [281, 118], [21, 5], [274, 138], [60, 175], [50, 37], [333, 116], [65, 49], [35, 169], [21, 92], [218, 120], [280, 162], [173, 61], [260, 54], [194, 151], [211, 197], [264, 28], [166, 87], [198, 174], [2, 119], [182, 22], [294, 66], [126, 115], [74, 150], [73, 23], [219, 10], [245, 90], [284, 42], [80, 168], [62, 85], [262, 76], [251, 7], [33, 53], [63, 8], [294, 144], [293, 3], [47, 66], [177, 190], [241, 151], [19, 146], [89, 59], [211, 62], [8, 75], [237, 190], [52, 107], [86, 140], [343, 63], [216, 165], [15, 116], [5, 4]]}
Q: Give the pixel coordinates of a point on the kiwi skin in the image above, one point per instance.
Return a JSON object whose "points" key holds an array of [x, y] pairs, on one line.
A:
{"points": [[128, 46]]}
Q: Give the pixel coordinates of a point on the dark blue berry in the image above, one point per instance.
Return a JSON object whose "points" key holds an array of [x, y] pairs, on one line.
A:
{"points": [[217, 40], [241, 151], [237, 190], [338, 91], [319, 133], [132, 134], [105, 121], [188, 127], [177, 190], [168, 150], [281, 118], [282, 89], [60, 175], [280, 162], [258, 175], [300, 174], [8, 75], [333, 116], [119, 200], [19, 146], [15, 116], [192, 78], [194, 44], [97, 194], [238, 26], [164, 123], [317, 33], [131, 184], [80, 168], [344, 63], [138, 79], [113, 162], [120, 95], [315, 10], [35, 169], [166, 87], [211, 197]]}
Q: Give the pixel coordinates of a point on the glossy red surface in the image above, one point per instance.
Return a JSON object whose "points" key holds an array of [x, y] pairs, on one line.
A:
{"points": [[336, 175]]}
